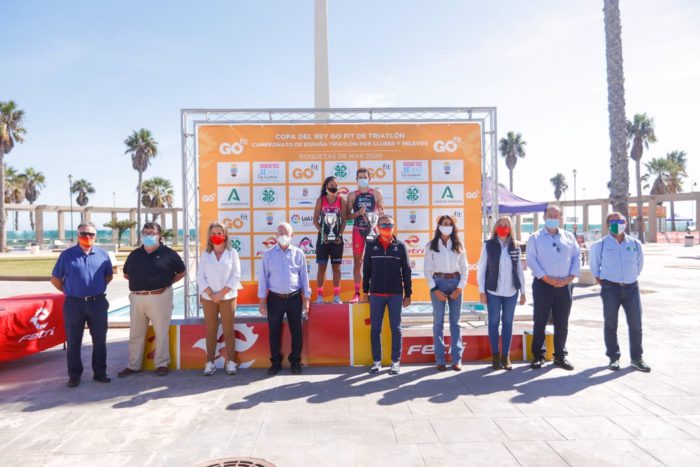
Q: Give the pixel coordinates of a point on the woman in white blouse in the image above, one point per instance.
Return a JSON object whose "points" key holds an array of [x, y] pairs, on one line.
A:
{"points": [[500, 277], [218, 279], [445, 268]]}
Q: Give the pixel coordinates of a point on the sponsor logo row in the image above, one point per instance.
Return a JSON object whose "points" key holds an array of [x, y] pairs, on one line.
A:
{"points": [[239, 173], [262, 221], [301, 196]]}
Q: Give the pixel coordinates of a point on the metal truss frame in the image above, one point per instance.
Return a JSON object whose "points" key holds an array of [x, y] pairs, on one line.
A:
{"points": [[191, 118]]}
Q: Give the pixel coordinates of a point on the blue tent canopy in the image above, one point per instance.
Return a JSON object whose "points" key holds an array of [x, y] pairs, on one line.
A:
{"points": [[509, 203]]}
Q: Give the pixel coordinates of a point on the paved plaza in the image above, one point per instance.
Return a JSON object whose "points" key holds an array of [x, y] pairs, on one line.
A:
{"points": [[344, 416]]}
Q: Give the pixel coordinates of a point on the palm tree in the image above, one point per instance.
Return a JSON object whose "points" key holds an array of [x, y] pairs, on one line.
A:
{"points": [[619, 164], [640, 132], [82, 187], [658, 170], [157, 192], [142, 147], [512, 147], [560, 185], [11, 132], [677, 172], [15, 187], [35, 182]]}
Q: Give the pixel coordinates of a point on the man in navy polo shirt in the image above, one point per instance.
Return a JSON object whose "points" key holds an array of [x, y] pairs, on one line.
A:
{"points": [[82, 273]]}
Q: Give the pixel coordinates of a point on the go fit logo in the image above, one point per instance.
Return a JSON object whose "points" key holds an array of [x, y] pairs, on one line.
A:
{"points": [[447, 146], [235, 148], [306, 173]]}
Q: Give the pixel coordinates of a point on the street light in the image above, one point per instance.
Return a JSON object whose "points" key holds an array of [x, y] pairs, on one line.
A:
{"points": [[575, 218], [70, 197]]}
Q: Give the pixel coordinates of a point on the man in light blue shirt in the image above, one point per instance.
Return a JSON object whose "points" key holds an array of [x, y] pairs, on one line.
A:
{"points": [[616, 262], [283, 288], [553, 255]]}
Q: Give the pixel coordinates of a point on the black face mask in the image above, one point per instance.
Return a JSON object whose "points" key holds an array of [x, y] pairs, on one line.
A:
{"points": [[332, 189]]}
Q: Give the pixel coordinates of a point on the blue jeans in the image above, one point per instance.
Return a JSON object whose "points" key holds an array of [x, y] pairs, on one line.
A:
{"points": [[501, 309], [613, 296], [377, 305], [447, 286]]}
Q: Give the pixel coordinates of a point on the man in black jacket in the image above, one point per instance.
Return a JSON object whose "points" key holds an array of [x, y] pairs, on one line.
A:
{"points": [[386, 276]]}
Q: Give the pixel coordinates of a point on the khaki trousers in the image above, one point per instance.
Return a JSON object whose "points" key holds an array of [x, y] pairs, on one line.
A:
{"points": [[227, 310], [157, 309]]}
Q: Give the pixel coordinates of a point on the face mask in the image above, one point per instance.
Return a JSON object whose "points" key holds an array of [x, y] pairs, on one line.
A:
{"points": [[551, 224], [385, 232], [150, 240], [502, 231], [445, 230], [283, 240], [363, 182], [217, 239], [617, 228], [86, 242], [332, 189]]}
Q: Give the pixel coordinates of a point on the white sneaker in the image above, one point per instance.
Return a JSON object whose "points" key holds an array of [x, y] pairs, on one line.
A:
{"points": [[209, 369], [231, 368], [337, 300], [319, 300], [376, 366], [395, 368]]}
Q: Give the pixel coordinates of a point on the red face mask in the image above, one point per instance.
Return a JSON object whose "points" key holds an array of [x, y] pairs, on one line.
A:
{"points": [[86, 242], [217, 239], [385, 232], [502, 231]]}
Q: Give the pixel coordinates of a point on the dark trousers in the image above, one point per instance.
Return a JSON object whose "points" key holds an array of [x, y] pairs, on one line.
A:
{"points": [[277, 308], [556, 300], [613, 296], [76, 313], [377, 306]]}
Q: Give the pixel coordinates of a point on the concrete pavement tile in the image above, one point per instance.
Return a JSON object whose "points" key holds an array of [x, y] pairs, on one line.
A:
{"points": [[34, 443], [669, 452], [414, 432], [483, 453], [285, 434], [649, 427], [459, 430], [125, 459], [178, 457], [679, 405], [364, 432], [694, 419], [534, 454], [329, 411], [159, 439], [691, 444], [684, 424], [340, 456], [588, 406], [362, 409], [639, 405], [527, 428], [405, 455], [421, 408], [556, 407], [490, 408], [579, 453], [94, 441], [582, 428]]}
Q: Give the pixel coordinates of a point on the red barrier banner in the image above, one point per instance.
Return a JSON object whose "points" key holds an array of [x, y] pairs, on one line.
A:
{"points": [[30, 324]]}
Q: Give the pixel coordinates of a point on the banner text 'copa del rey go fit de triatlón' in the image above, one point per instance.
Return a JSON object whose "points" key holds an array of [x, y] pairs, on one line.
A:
{"points": [[251, 177]]}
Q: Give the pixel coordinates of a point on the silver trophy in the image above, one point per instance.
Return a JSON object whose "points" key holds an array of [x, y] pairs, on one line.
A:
{"points": [[372, 219], [331, 220]]}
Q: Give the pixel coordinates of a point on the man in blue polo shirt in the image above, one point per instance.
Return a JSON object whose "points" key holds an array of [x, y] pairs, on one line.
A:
{"points": [[553, 256], [616, 262], [82, 273]]}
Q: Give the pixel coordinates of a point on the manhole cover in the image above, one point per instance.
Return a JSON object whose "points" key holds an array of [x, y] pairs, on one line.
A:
{"points": [[237, 462]]}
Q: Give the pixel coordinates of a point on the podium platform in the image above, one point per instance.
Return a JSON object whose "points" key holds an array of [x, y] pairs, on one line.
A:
{"points": [[335, 335]]}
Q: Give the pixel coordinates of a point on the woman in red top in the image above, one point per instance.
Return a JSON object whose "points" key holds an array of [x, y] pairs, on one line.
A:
{"points": [[330, 202]]}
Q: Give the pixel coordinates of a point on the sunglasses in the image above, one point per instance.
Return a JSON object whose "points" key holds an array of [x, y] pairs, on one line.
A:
{"points": [[86, 234], [386, 226]]}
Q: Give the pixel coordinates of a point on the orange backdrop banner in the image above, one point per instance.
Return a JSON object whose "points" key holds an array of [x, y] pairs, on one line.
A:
{"points": [[251, 177]]}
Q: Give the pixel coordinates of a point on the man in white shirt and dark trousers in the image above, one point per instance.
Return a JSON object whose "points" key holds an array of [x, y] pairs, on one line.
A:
{"points": [[616, 262]]}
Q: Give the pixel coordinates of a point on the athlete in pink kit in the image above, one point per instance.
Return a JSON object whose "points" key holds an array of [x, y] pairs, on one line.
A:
{"points": [[360, 202]]}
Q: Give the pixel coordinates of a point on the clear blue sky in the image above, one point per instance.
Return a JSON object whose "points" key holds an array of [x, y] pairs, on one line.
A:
{"points": [[88, 73]]}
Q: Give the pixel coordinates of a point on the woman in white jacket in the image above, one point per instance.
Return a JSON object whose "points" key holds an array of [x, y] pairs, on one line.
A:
{"points": [[445, 269], [218, 279]]}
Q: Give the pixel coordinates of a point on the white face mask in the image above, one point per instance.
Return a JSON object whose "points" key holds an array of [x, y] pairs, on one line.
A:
{"points": [[363, 182], [446, 230], [284, 240]]}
